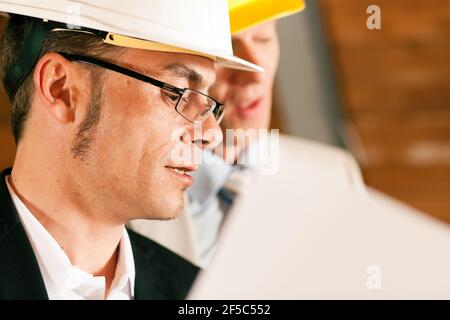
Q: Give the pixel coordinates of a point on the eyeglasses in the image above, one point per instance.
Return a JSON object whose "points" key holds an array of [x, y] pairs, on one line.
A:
{"points": [[191, 104]]}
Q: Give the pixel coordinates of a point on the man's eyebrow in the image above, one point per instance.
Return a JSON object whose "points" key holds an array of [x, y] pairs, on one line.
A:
{"points": [[181, 70]]}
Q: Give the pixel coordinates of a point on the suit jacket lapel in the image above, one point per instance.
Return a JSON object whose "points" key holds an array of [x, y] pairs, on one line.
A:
{"points": [[148, 279], [20, 277]]}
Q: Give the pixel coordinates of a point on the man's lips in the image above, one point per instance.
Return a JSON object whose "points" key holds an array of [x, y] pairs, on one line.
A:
{"points": [[247, 109], [182, 172]]}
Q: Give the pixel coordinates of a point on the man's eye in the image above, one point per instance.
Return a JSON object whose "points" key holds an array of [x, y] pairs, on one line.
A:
{"points": [[170, 97]]}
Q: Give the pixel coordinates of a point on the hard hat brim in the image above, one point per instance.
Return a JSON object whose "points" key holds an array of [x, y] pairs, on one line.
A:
{"points": [[226, 61], [238, 63]]}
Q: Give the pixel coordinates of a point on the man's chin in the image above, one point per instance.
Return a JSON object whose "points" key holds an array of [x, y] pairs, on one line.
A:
{"points": [[176, 214], [167, 214]]}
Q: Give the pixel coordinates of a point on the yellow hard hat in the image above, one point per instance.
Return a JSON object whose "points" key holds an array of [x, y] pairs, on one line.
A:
{"points": [[249, 13]]}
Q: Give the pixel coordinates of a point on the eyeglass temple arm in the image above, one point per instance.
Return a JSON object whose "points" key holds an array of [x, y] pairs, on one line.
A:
{"points": [[121, 70]]}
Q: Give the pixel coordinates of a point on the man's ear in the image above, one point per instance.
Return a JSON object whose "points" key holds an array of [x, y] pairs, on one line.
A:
{"points": [[55, 86]]}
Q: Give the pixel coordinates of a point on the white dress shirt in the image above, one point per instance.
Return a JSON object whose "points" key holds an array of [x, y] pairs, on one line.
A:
{"points": [[205, 207], [65, 281]]}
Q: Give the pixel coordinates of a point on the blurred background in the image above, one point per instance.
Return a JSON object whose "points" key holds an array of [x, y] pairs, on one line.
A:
{"points": [[382, 94]]}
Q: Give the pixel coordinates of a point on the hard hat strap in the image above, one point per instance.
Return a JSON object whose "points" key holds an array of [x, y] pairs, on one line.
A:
{"points": [[33, 36], [35, 32]]}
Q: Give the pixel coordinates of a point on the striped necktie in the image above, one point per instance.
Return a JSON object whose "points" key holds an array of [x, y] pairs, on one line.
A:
{"points": [[236, 183]]}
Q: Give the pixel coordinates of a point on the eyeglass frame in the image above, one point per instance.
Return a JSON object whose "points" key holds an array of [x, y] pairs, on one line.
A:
{"points": [[149, 80]]}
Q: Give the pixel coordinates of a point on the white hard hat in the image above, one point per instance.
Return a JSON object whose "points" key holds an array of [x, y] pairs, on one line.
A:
{"points": [[198, 27]]}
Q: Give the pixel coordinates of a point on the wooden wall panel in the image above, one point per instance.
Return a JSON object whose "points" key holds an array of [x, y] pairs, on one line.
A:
{"points": [[404, 23], [395, 89], [407, 78], [7, 145]]}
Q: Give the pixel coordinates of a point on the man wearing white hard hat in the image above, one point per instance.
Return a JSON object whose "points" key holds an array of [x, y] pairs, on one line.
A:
{"points": [[248, 97], [102, 93]]}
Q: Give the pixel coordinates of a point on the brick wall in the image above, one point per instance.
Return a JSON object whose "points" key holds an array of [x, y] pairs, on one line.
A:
{"points": [[395, 88]]}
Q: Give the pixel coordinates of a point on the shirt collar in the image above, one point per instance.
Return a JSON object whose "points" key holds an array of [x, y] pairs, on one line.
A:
{"points": [[125, 269], [58, 272]]}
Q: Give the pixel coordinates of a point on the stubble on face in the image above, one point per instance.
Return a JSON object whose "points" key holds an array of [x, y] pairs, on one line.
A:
{"points": [[85, 135]]}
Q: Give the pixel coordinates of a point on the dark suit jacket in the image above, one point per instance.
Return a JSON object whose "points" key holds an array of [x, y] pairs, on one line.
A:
{"points": [[160, 274]]}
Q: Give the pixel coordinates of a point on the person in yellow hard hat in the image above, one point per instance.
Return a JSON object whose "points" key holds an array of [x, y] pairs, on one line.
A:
{"points": [[98, 106], [248, 97]]}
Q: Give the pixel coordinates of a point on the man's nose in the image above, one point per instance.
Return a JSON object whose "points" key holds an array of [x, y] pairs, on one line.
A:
{"points": [[241, 77], [206, 134]]}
